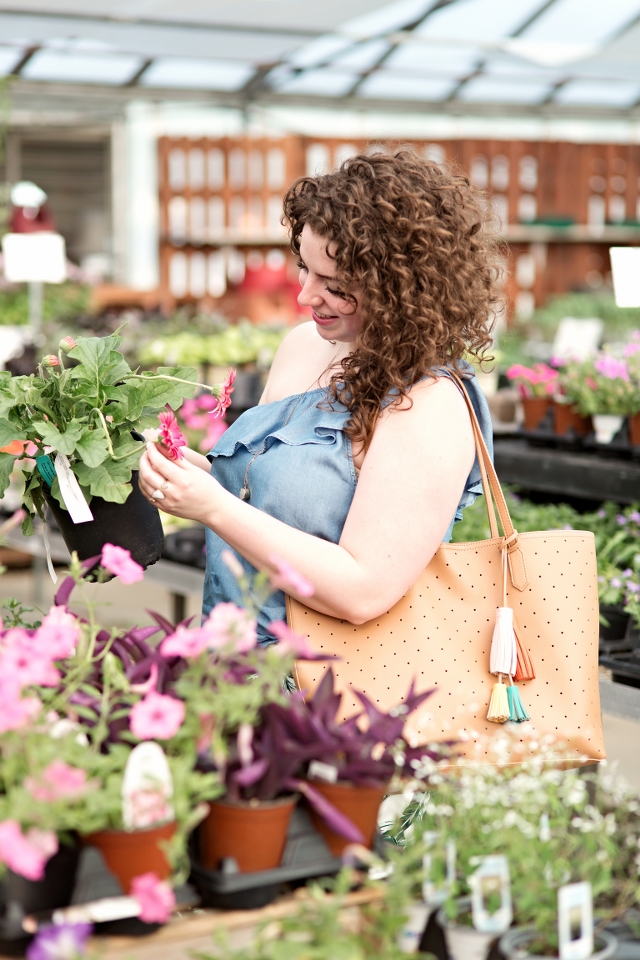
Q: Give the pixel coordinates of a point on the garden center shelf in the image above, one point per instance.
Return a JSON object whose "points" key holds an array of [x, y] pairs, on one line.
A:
{"points": [[567, 474]]}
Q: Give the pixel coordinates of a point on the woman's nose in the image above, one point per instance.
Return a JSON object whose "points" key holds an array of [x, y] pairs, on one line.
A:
{"points": [[308, 297]]}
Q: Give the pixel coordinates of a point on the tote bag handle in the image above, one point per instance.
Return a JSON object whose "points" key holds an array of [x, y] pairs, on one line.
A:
{"points": [[494, 497]]}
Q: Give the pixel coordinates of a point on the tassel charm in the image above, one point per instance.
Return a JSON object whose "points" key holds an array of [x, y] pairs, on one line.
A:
{"points": [[525, 669], [499, 710], [517, 711], [504, 656]]}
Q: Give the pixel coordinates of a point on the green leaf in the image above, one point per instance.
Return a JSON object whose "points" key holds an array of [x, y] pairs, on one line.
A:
{"points": [[61, 442], [101, 363], [9, 431], [110, 480], [7, 461], [92, 446]]}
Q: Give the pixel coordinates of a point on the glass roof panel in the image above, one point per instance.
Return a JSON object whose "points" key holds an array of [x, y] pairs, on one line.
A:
{"points": [[512, 67], [582, 21], [81, 68], [196, 74], [494, 90], [479, 20], [393, 16], [615, 94], [327, 82], [362, 56], [318, 51], [387, 85], [434, 58], [9, 58]]}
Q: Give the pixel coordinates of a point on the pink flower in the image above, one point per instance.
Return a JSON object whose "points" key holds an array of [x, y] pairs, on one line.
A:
{"points": [[243, 742], [67, 343], [155, 897], [228, 624], [185, 643], [118, 561], [157, 717], [290, 642], [224, 396], [26, 855], [50, 360], [58, 781], [149, 683], [214, 432], [611, 368], [171, 435], [15, 712], [23, 664], [58, 634], [288, 578]]}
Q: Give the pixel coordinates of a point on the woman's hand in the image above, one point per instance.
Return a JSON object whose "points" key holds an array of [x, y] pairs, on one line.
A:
{"points": [[177, 487]]}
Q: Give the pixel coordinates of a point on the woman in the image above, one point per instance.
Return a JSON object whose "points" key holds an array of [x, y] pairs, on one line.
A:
{"points": [[360, 456]]}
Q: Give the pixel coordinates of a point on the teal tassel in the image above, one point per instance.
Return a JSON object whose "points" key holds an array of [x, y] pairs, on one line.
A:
{"points": [[517, 712]]}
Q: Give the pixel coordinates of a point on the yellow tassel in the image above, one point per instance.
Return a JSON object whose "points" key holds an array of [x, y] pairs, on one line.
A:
{"points": [[499, 711]]}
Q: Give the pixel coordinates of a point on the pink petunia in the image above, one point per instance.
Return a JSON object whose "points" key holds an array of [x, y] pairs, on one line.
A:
{"points": [[118, 561], [224, 396], [185, 643], [23, 664], [157, 717], [15, 712], [612, 368], [58, 634], [156, 898], [171, 435], [58, 781], [26, 855], [288, 578], [290, 642], [228, 624]]}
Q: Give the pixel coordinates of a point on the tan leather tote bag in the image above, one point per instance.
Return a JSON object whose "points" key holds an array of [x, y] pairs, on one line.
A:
{"points": [[440, 633]]}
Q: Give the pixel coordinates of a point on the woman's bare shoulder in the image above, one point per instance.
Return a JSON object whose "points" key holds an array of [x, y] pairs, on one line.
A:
{"points": [[300, 358]]}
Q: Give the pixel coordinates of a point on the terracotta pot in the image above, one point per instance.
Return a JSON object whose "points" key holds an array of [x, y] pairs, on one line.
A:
{"points": [[566, 417], [254, 836], [634, 430], [128, 853], [359, 804], [535, 410]]}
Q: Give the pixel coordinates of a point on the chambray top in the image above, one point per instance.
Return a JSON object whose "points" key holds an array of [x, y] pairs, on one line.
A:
{"points": [[305, 477]]}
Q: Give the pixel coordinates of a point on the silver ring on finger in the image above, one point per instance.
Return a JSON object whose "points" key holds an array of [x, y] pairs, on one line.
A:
{"points": [[164, 484]]}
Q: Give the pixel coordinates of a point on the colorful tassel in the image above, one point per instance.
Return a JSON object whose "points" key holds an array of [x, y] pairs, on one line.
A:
{"points": [[524, 669], [517, 712], [499, 711], [504, 656]]}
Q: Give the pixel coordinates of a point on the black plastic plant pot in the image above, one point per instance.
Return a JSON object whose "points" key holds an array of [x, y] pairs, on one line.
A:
{"points": [[134, 525], [20, 897]]}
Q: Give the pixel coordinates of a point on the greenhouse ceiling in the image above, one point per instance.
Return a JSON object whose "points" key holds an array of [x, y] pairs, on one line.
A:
{"points": [[550, 57]]}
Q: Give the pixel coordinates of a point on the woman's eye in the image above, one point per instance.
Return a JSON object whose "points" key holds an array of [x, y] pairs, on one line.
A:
{"points": [[336, 293], [301, 265]]}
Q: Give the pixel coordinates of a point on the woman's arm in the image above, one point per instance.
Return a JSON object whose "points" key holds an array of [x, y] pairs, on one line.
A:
{"points": [[408, 490]]}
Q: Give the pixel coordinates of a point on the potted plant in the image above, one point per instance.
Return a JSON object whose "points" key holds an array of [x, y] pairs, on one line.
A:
{"points": [[602, 388], [568, 420], [536, 386], [79, 418]]}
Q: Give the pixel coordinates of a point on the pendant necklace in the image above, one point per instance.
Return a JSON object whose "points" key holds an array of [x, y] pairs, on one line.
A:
{"points": [[245, 492]]}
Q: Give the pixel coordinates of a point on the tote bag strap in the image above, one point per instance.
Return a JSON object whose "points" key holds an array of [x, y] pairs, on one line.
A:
{"points": [[494, 497]]}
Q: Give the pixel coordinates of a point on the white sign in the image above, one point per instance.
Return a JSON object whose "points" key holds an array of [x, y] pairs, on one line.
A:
{"points": [[625, 268], [577, 339], [575, 921], [147, 788], [34, 257]]}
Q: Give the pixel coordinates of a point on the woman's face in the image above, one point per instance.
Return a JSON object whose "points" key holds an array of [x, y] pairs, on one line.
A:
{"points": [[335, 318]]}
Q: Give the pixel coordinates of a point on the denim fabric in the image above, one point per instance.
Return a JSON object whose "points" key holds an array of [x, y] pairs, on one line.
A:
{"points": [[305, 477]]}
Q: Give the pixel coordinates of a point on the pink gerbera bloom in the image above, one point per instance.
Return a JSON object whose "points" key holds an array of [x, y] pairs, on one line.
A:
{"points": [[157, 717], [224, 397], [171, 434], [156, 898]]}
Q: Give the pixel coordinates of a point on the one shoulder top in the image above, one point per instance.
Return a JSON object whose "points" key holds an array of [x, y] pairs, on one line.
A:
{"points": [[302, 473]]}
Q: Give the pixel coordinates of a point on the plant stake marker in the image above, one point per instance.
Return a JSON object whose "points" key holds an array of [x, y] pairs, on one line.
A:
{"points": [[492, 876], [575, 921], [432, 893], [147, 788]]}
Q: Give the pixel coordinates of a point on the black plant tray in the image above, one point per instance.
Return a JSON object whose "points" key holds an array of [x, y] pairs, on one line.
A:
{"points": [[186, 546], [306, 855]]}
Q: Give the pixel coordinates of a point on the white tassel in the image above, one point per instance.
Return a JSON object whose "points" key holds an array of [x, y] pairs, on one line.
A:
{"points": [[504, 652]]}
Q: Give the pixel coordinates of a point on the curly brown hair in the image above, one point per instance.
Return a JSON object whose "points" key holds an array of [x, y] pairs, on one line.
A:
{"points": [[410, 235]]}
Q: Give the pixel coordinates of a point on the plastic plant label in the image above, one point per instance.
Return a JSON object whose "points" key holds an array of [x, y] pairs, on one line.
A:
{"points": [[625, 271], [491, 910], [435, 893], [575, 921], [73, 497], [46, 469], [34, 257], [147, 788], [323, 771]]}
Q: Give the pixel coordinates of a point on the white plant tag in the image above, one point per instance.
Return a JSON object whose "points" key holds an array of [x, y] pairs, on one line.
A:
{"points": [[432, 892], [323, 771], [575, 921], [73, 497], [491, 877], [147, 788], [411, 934]]}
